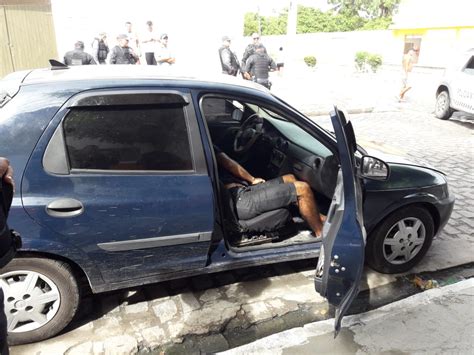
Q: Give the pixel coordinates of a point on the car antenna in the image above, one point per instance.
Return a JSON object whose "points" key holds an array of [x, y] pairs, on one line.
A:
{"points": [[57, 65]]}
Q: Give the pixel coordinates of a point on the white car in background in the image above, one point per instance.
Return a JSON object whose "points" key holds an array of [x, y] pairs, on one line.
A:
{"points": [[456, 90]]}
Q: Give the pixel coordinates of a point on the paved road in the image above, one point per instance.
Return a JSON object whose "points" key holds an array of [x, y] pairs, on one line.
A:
{"points": [[236, 307]]}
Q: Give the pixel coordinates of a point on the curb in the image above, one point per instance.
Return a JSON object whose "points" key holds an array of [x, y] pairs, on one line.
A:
{"points": [[228, 337], [300, 335]]}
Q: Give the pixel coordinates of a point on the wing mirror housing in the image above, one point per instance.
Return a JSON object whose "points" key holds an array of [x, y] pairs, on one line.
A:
{"points": [[374, 168]]}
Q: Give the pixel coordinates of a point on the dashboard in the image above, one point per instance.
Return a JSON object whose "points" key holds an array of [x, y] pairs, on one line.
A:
{"points": [[318, 170]]}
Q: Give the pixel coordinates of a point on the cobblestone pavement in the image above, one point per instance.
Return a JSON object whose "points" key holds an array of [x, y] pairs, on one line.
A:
{"points": [[265, 300]]}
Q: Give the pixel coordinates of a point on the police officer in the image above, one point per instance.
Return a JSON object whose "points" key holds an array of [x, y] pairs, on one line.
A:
{"points": [[122, 53], [229, 62], [258, 66], [100, 48], [251, 48], [78, 56]]}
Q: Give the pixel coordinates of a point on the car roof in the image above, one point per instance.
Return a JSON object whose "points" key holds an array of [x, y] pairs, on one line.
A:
{"points": [[132, 73]]}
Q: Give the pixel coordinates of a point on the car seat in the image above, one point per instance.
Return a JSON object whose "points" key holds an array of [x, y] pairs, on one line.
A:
{"points": [[264, 228]]}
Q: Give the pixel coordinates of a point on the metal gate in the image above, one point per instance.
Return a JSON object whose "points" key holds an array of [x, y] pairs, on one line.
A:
{"points": [[27, 36]]}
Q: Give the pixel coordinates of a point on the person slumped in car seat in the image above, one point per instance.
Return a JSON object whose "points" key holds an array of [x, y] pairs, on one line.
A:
{"points": [[254, 196]]}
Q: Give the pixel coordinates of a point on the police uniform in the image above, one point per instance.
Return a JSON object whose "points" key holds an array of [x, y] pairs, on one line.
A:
{"points": [[78, 57], [101, 50], [229, 62], [250, 50], [259, 65], [122, 55]]}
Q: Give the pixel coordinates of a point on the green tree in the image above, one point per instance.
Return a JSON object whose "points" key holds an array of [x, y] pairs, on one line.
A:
{"points": [[250, 23], [373, 8], [312, 20], [377, 24], [275, 25]]}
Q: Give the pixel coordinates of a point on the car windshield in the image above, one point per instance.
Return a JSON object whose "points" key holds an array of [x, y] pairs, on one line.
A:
{"points": [[292, 132], [300, 137]]}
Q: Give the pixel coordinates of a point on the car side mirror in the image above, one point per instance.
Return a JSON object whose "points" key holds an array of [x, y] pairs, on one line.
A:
{"points": [[374, 168]]}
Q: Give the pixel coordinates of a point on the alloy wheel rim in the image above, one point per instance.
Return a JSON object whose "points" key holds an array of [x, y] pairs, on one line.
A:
{"points": [[441, 104], [404, 240], [31, 300]]}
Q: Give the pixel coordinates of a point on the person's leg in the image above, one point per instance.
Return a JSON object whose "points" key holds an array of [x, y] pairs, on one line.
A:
{"points": [[288, 178], [261, 198], [268, 196], [308, 208], [405, 87], [404, 91], [150, 58]]}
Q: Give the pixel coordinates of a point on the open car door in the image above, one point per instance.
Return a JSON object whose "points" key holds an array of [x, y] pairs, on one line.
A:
{"points": [[341, 260]]}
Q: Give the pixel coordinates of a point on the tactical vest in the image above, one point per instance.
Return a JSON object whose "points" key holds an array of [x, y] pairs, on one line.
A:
{"points": [[103, 51], [260, 68], [76, 57]]}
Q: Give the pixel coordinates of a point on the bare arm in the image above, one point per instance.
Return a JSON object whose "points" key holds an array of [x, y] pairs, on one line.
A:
{"points": [[236, 169]]}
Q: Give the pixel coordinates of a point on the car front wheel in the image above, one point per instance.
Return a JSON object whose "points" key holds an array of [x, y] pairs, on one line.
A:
{"points": [[443, 110], [41, 298], [401, 240]]}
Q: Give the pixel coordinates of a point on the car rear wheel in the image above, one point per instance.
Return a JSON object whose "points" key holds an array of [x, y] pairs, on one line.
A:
{"points": [[401, 240], [41, 298], [443, 110]]}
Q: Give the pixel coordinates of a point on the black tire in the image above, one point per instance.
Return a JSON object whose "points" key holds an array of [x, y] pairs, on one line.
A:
{"points": [[443, 111], [376, 251], [61, 275]]}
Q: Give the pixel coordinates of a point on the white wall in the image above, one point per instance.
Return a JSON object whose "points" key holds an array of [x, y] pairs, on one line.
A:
{"points": [[438, 47], [337, 48]]}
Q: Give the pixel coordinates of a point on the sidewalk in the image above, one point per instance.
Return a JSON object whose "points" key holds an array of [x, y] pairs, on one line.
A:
{"points": [[438, 321]]}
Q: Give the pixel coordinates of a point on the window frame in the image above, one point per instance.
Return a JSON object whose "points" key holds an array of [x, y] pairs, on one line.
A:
{"points": [[278, 108], [466, 69], [56, 157]]}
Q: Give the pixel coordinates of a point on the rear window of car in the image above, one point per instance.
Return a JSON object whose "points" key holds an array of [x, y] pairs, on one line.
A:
{"points": [[134, 138]]}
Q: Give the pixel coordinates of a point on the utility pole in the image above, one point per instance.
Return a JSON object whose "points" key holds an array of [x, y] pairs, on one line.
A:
{"points": [[259, 21], [290, 57], [292, 19]]}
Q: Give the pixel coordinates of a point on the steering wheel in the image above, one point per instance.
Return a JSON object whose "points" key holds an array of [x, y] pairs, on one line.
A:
{"points": [[248, 133]]}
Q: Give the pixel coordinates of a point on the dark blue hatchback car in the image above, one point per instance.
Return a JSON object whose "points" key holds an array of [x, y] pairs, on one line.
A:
{"points": [[117, 186]]}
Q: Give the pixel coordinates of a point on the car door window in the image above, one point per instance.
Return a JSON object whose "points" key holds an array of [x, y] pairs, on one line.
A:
{"points": [[219, 110], [135, 138], [124, 157]]}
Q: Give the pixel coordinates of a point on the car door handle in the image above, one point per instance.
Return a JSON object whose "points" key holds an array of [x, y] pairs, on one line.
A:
{"points": [[65, 207]]}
